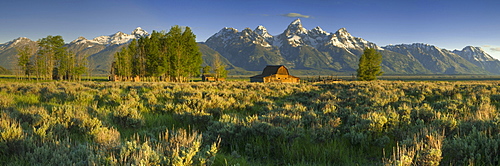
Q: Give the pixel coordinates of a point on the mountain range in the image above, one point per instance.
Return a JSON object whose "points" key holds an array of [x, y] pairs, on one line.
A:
{"points": [[303, 51]]}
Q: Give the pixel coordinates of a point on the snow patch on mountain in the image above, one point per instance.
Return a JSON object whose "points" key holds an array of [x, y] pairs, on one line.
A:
{"points": [[262, 31], [115, 39], [228, 36], [474, 53], [294, 35], [421, 46], [15, 42], [139, 32]]}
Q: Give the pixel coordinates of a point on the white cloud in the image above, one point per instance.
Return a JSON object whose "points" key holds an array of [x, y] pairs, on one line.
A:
{"points": [[492, 48], [296, 15], [496, 49]]}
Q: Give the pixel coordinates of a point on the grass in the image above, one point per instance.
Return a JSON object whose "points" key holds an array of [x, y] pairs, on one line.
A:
{"points": [[241, 123]]}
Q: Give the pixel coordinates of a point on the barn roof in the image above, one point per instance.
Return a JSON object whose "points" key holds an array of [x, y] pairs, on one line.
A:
{"points": [[273, 69]]}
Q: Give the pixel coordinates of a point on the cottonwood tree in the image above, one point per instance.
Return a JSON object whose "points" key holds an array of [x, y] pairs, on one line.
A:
{"points": [[192, 53], [206, 70], [369, 65], [219, 68], [24, 59]]}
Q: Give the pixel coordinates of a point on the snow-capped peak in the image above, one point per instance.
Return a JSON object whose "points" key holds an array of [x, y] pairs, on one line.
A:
{"points": [[79, 40], [139, 32], [225, 31], [342, 32], [474, 53], [295, 27], [318, 30], [296, 22], [472, 49], [118, 38], [295, 35], [121, 38], [262, 31], [260, 27], [422, 46], [20, 40]]}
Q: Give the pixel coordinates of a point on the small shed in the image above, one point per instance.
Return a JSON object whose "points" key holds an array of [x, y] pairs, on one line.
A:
{"points": [[211, 78], [275, 73]]}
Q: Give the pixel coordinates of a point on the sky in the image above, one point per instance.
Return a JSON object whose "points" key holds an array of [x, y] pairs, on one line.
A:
{"points": [[448, 24]]}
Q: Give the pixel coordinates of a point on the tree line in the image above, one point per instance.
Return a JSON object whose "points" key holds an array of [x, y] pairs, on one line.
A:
{"points": [[161, 56], [50, 61]]}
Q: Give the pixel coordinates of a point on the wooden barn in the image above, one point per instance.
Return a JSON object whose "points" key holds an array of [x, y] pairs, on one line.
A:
{"points": [[275, 73]]}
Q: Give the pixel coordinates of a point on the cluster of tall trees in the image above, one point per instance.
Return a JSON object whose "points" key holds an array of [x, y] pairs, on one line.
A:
{"points": [[161, 56], [51, 61]]}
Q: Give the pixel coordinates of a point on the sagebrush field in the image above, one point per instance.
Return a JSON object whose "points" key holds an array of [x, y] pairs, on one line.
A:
{"points": [[240, 123]]}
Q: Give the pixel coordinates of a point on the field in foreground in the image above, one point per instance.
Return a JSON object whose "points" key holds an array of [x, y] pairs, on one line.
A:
{"points": [[240, 123]]}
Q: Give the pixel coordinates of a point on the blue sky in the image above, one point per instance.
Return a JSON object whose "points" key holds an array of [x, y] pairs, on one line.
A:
{"points": [[449, 24]]}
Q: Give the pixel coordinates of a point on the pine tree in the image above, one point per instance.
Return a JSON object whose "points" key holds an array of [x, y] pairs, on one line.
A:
{"points": [[369, 65]]}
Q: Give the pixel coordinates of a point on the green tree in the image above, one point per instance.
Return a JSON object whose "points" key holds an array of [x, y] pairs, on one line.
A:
{"points": [[65, 66], [174, 53], [80, 67], [51, 50], [123, 66], [192, 53], [219, 68], [24, 59], [154, 67], [172, 56], [53, 61], [183, 53], [206, 70], [369, 65]]}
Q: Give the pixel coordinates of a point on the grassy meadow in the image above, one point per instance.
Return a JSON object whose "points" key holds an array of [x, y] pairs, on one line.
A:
{"points": [[242, 123]]}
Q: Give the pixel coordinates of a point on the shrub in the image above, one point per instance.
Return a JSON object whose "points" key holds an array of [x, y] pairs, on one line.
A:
{"points": [[59, 152], [11, 135], [425, 148], [476, 148], [127, 116], [6, 100], [108, 138]]}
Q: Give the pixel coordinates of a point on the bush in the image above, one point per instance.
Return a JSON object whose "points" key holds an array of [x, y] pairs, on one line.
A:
{"points": [[127, 116], [11, 136]]}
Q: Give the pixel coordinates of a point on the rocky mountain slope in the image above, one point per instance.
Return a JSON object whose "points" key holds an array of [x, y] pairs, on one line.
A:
{"points": [[437, 60], [8, 52], [479, 57]]}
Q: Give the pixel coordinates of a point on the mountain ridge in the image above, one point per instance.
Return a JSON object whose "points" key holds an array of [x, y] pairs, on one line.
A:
{"points": [[296, 47], [317, 49]]}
